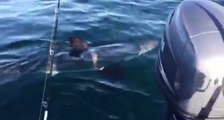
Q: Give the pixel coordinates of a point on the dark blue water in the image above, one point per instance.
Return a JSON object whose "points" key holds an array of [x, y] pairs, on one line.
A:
{"points": [[78, 92]]}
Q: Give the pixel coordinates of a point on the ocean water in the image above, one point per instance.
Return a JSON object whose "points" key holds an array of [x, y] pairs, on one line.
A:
{"points": [[126, 91]]}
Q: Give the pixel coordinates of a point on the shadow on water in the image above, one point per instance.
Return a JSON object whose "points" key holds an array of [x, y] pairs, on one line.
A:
{"points": [[22, 71], [120, 92], [25, 33], [18, 97]]}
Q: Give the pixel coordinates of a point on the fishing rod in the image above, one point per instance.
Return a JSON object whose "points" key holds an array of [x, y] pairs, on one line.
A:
{"points": [[43, 115]]}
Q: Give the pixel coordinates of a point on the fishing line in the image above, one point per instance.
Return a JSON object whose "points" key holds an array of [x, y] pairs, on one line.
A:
{"points": [[50, 64]]}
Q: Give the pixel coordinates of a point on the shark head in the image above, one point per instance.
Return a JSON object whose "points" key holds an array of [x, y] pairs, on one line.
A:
{"points": [[148, 45]]}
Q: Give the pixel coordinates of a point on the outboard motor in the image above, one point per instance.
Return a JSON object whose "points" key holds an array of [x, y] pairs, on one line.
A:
{"points": [[190, 65]]}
